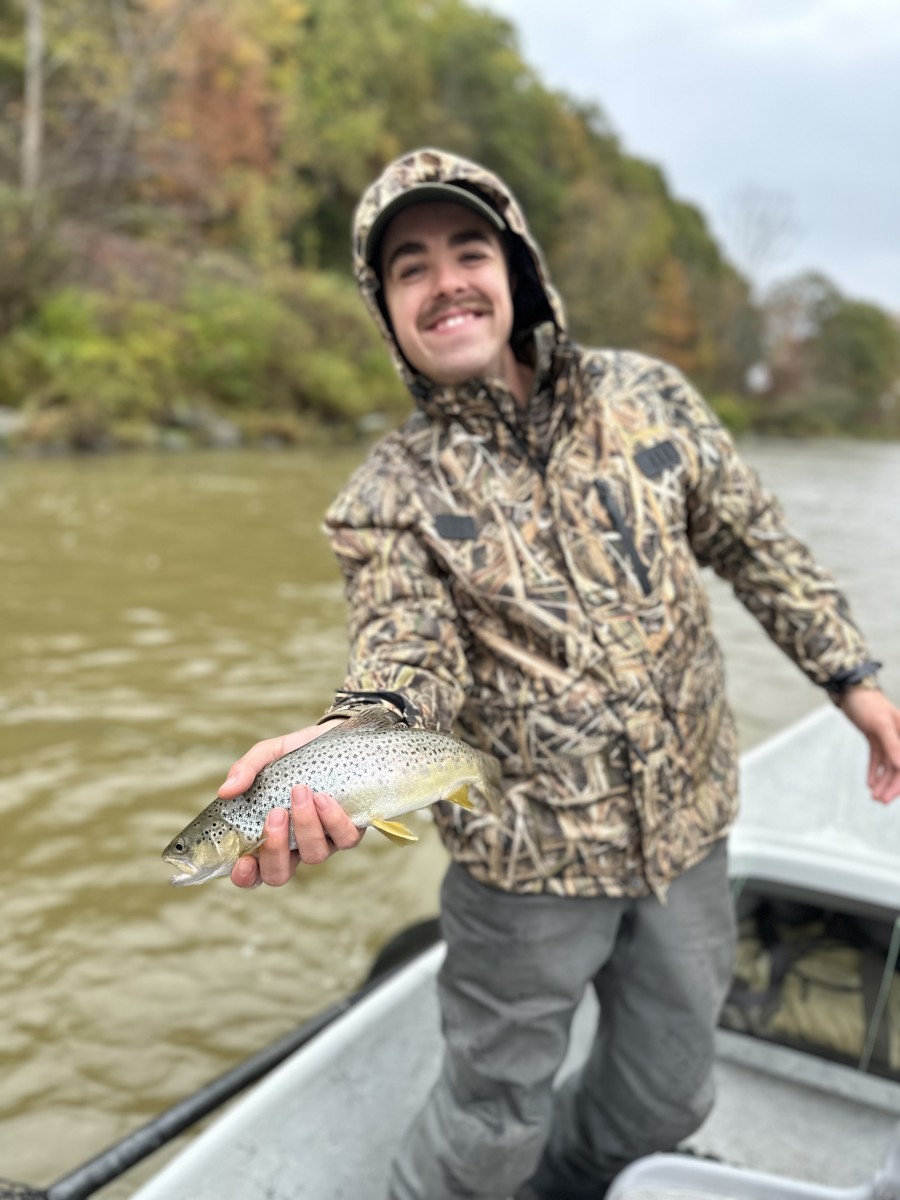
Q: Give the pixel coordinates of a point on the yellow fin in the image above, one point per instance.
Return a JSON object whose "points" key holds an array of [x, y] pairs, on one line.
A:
{"points": [[395, 830], [460, 796]]}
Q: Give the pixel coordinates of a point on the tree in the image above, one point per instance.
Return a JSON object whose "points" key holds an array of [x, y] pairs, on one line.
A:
{"points": [[858, 349], [33, 100], [762, 228], [836, 361]]}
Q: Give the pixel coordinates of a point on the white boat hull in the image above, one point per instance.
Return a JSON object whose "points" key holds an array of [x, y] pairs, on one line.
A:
{"points": [[324, 1125]]}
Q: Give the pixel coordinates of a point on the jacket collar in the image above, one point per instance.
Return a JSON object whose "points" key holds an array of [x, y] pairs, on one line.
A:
{"points": [[488, 409]]}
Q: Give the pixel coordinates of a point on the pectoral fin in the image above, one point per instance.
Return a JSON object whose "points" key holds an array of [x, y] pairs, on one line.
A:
{"points": [[460, 796], [395, 830], [239, 844]]}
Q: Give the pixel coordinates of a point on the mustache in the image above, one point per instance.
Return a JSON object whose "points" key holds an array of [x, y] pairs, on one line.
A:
{"points": [[473, 303]]}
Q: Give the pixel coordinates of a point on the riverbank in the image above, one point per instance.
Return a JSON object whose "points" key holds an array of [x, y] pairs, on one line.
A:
{"points": [[59, 434], [138, 347]]}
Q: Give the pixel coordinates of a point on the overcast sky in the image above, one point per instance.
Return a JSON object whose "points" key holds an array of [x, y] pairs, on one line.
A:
{"points": [[794, 102]]}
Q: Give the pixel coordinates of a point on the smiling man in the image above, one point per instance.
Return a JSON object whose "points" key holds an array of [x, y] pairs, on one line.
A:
{"points": [[523, 562], [448, 295]]}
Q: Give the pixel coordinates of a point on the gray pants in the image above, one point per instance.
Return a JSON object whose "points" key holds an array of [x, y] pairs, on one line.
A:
{"points": [[516, 969]]}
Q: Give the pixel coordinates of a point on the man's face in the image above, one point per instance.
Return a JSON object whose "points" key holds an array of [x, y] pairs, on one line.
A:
{"points": [[447, 290]]}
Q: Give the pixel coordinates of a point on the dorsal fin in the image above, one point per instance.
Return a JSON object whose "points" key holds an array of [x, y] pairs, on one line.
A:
{"points": [[371, 717]]}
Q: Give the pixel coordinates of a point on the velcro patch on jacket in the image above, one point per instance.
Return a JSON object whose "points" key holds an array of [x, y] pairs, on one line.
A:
{"points": [[656, 459], [456, 527]]}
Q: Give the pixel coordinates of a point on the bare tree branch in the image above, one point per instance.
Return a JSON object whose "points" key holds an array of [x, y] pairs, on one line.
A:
{"points": [[762, 228]]}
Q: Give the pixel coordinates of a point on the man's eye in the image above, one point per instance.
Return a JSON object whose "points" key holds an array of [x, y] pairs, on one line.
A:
{"points": [[410, 271], [473, 256]]}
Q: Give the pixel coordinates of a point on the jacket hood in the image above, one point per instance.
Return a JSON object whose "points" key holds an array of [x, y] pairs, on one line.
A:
{"points": [[535, 302]]}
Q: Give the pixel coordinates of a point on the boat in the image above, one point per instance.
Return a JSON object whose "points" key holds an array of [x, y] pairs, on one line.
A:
{"points": [[788, 1123]]}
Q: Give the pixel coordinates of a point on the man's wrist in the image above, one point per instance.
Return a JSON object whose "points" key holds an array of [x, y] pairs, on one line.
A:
{"points": [[863, 675], [866, 683]]}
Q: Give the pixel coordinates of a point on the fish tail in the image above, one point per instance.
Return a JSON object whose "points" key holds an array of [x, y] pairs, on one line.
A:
{"points": [[489, 783], [490, 769]]}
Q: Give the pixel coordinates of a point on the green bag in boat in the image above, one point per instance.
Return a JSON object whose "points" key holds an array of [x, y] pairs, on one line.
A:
{"points": [[815, 984]]}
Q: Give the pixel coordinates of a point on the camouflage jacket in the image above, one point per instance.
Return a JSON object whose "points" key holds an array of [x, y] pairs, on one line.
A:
{"points": [[532, 582]]}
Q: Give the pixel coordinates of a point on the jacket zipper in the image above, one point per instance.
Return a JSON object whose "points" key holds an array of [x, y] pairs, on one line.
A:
{"points": [[621, 528]]}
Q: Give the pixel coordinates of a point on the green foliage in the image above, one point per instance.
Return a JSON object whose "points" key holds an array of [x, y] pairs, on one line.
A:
{"points": [[94, 369], [858, 351], [292, 343], [88, 362], [31, 258], [837, 362], [735, 413]]}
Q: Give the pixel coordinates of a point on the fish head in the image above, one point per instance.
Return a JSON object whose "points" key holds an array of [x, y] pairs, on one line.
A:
{"points": [[205, 849]]}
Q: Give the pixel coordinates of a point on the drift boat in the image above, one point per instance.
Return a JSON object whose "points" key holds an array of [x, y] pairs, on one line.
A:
{"points": [[789, 1123]]}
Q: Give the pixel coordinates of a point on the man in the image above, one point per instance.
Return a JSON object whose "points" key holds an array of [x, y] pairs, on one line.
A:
{"points": [[522, 563]]}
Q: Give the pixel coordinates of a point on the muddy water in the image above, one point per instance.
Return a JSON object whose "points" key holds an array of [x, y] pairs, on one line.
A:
{"points": [[157, 615]]}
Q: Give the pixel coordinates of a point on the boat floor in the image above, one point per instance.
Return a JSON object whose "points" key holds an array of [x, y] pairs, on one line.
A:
{"points": [[325, 1124]]}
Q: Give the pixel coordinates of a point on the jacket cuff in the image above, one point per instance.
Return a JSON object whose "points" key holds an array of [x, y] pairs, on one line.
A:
{"points": [[863, 675]]}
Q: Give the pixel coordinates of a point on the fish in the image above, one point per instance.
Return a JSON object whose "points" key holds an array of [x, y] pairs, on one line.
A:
{"points": [[376, 767]]}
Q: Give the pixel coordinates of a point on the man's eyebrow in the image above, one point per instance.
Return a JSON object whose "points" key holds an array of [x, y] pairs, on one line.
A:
{"points": [[456, 239], [404, 248], [468, 235]]}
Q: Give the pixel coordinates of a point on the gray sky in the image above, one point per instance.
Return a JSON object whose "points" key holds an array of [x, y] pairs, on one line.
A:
{"points": [[794, 101]]}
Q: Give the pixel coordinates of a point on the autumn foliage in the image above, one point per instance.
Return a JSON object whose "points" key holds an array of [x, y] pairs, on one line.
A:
{"points": [[177, 263]]}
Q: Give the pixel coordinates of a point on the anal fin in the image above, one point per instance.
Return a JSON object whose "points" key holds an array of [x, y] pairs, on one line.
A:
{"points": [[395, 830]]}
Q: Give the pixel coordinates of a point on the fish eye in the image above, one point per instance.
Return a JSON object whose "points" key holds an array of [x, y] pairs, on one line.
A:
{"points": [[180, 846]]}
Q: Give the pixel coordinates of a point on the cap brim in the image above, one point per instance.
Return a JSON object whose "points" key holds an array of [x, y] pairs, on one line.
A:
{"points": [[423, 193]]}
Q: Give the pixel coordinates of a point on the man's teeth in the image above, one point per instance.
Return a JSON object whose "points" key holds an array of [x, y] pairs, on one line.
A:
{"points": [[456, 319]]}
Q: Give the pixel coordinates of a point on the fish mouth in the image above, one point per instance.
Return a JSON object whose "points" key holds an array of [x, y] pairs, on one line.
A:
{"points": [[186, 872], [189, 873]]}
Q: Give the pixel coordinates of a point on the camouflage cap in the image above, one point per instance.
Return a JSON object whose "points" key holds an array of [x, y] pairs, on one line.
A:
{"points": [[423, 193]]}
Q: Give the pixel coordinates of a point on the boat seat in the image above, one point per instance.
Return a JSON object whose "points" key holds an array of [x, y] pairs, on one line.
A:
{"points": [[680, 1177]]}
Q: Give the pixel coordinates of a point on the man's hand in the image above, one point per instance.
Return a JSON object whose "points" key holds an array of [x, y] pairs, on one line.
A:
{"points": [[872, 712], [320, 824]]}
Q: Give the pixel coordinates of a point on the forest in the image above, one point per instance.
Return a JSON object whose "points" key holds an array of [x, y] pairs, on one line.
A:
{"points": [[177, 181]]}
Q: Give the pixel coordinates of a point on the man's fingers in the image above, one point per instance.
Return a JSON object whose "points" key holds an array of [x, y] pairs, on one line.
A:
{"points": [[245, 872], [320, 825], [884, 779], [312, 840], [337, 825], [249, 765], [277, 862], [884, 761]]}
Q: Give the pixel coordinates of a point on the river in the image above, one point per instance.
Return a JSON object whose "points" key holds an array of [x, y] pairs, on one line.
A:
{"points": [[158, 615]]}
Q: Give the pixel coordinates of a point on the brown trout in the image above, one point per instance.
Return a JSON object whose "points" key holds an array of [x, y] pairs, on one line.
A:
{"points": [[376, 769]]}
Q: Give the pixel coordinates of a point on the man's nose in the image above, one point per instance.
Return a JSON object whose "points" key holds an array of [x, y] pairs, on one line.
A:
{"points": [[448, 278]]}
